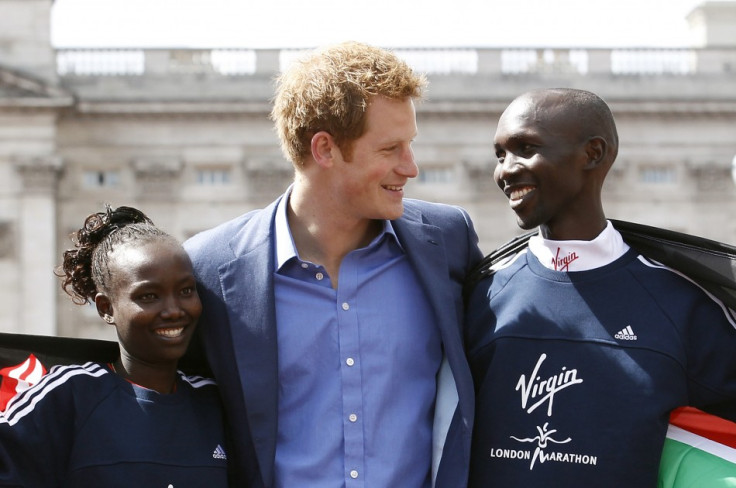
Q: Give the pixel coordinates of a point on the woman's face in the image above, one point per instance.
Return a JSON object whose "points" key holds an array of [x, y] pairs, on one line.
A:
{"points": [[152, 300]]}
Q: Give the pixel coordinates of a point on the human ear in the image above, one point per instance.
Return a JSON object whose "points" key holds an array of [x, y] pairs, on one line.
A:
{"points": [[596, 148], [322, 146], [104, 308]]}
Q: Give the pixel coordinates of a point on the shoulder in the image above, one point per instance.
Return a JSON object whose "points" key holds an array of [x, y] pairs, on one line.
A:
{"points": [[222, 233], [203, 389], [448, 225], [504, 257], [224, 242], [662, 279], [669, 285], [198, 382], [218, 235], [60, 383], [415, 209], [451, 220], [494, 276]]}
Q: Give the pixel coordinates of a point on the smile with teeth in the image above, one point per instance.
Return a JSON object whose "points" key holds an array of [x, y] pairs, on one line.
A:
{"points": [[172, 332], [393, 187], [519, 194]]}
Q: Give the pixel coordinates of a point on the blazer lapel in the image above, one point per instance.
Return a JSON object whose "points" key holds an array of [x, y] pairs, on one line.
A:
{"points": [[247, 283], [426, 251]]}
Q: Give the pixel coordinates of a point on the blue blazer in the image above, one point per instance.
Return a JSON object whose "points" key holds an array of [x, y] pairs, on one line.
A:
{"points": [[234, 266]]}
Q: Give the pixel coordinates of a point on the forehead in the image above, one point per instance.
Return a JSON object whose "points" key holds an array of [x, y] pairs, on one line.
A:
{"points": [[536, 115], [387, 117], [136, 259]]}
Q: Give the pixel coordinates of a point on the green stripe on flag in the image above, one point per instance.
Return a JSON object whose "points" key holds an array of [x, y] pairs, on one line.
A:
{"points": [[692, 461]]}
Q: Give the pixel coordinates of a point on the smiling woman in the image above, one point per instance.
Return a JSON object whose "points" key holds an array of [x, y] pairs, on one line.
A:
{"points": [[141, 282]]}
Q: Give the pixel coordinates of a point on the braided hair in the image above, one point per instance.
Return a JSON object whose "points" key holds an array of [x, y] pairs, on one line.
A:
{"points": [[85, 269]]}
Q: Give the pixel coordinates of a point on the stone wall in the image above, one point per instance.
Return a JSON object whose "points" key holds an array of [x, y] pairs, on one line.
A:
{"points": [[185, 136]]}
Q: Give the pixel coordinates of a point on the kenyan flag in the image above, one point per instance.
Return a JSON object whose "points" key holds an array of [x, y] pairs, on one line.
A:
{"points": [[700, 451]]}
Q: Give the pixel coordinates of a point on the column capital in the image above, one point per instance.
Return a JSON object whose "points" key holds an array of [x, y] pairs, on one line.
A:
{"points": [[39, 173]]}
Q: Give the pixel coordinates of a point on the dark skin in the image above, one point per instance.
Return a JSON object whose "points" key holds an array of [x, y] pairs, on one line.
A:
{"points": [[552, 162], [152, 301]]}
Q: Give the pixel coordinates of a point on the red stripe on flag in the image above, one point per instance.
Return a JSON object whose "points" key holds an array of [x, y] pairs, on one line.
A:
{"points": [[705, 425], [18, 378]]}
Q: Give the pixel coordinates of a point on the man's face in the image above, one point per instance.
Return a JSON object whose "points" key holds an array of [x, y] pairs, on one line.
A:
{"points": [[371, 183], [541, 162]]}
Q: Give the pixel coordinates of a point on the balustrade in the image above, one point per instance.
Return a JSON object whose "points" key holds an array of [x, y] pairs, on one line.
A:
{"points": [[449, 61]]}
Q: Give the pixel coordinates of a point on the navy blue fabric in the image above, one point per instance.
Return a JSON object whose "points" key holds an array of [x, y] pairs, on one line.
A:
{"points": [[577, 373], [83, 426]]}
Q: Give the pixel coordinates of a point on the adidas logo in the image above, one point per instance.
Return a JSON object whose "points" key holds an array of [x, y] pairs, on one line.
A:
{"points": [[626, 334], [219, 453]]}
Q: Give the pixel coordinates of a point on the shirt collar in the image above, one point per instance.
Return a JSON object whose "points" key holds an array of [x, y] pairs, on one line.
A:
{"points": [[579, 255], [285, 248]]}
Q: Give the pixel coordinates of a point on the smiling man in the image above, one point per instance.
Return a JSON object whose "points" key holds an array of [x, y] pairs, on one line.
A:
{"points": [[570, 144], [581, 347], [333, 318]]}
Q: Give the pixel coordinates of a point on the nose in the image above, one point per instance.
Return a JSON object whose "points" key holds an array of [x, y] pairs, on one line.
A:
{"points": [[505, 169], [408, 166], [172, 309]]}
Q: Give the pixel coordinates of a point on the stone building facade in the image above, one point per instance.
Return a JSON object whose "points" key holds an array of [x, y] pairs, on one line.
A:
{"points": [[185, 136]]}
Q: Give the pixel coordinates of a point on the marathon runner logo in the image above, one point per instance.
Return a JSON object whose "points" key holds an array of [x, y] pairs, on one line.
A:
{"points": [[538, 389], [544, 451]]}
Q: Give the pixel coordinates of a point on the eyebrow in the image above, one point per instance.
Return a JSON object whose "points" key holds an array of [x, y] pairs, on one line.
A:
{"points": [[518, 137]]}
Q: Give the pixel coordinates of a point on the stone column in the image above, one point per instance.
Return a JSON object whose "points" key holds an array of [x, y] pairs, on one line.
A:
{"points": [[37, 239]]}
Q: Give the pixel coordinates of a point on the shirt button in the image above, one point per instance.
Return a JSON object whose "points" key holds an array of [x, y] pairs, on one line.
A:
{"points": [[353, 474], [305, 265], [345, 306], [350, 361], [353, 417], [319, 276]]}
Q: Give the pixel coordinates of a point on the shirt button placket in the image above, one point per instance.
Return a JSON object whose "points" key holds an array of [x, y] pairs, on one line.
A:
{"points": [[349, 339]]}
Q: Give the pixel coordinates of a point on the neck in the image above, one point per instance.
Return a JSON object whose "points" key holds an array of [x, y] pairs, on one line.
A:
{"points": [[160, 378], [576, 228], [326, 235]]}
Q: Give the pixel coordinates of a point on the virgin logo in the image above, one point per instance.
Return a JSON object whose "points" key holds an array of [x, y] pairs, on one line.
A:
{"points": [[563, 263], [535, 391]]}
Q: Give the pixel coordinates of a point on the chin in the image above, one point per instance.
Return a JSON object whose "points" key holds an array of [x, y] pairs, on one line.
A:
{"points": [[391, 213], [526, 224]]}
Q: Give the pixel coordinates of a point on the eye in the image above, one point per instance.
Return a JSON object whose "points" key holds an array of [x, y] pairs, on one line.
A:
{"points": [[500, 155], [527, 148], [188, 291], [147, 297]]}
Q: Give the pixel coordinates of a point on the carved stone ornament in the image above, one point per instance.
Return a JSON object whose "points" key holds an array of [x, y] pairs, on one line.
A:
{"points": [[39, 173]]}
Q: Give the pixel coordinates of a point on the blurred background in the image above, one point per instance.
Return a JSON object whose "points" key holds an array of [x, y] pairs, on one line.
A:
{"points": [[163, 105]]}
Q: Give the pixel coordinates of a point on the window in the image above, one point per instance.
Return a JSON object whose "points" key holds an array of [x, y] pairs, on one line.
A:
{"points": [[436, 175], [657, 174], [101, 179], [213, 176]]}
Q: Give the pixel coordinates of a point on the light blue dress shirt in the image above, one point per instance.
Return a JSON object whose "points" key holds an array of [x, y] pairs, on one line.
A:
{"points": [[357, 368]]}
